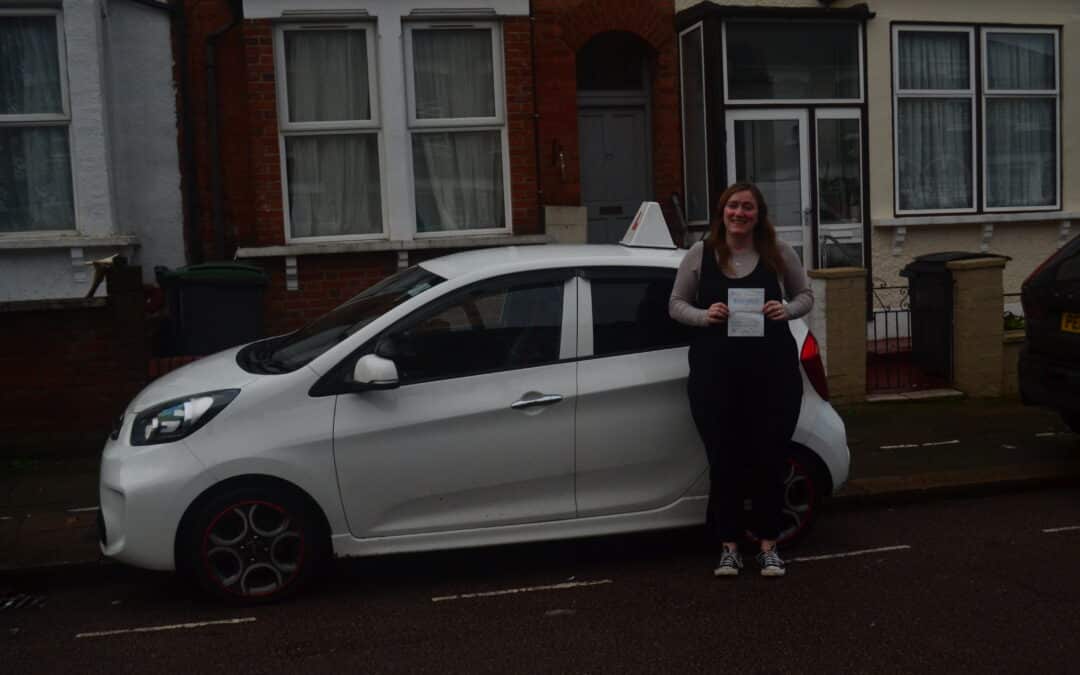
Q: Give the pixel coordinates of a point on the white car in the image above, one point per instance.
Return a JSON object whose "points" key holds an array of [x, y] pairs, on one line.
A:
{"points": [[487, 397]]}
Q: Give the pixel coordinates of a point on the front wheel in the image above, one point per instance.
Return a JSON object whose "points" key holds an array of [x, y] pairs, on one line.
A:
{"points": [[252, 543]]}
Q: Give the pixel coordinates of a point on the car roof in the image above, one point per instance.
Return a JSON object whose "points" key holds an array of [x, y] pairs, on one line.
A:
{"points": [[509, 259]]}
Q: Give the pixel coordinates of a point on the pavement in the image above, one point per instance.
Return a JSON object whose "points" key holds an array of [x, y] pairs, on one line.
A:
{"points": [[901, 451]]}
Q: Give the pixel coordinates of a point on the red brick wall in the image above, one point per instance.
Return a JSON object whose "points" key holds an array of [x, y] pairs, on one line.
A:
{"points": [[204, 18], [563, 28], [68, 369], [268, 226], [325, 282]]}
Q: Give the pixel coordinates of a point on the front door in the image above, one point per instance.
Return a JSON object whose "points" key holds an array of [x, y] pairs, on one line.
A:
{"points": [[614, 169], [481, 431], [770, 148]]}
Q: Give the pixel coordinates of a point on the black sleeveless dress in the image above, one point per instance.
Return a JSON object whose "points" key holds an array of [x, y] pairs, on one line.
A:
{"points": [[745, 395]]}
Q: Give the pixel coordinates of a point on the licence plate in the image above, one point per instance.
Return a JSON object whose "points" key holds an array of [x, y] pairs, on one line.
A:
{"points": [[1070, 322]]}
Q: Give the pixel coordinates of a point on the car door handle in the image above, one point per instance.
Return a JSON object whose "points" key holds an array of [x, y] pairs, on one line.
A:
{"points": [[536, 402]]}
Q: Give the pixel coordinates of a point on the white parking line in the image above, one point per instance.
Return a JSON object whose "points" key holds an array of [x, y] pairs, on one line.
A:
{"points": [[1046, 434], [85, 509], [1070, 528], [848, 554], [919, 445], [532, 589], [154, 629]]}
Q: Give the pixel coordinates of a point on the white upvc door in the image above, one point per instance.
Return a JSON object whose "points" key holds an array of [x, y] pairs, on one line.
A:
{"points": [[771, 149]]}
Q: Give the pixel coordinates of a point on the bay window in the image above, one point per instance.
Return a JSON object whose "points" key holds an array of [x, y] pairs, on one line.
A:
{"points": [[36, 191], [937, 100]]}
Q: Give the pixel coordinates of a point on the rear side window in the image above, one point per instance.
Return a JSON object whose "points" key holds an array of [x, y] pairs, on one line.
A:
{"points": [[630, 311], [1069, 270]]}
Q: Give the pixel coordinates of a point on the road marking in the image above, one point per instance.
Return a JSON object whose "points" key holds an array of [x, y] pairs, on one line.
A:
{"points": [[849, 554], [1046, 434], [920, 445], [85, 509], [154, 629], [531, 589], [6, 518], [1070, 528]]}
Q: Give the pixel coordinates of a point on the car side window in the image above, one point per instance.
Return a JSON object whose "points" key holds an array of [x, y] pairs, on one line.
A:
{"points": [[630, 311], [494, 326]]}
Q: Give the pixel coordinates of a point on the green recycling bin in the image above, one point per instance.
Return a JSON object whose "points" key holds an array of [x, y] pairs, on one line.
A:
{"points": [[214, 306]]}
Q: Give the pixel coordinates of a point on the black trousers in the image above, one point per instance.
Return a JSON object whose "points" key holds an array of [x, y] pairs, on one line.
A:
{"points": [[746, 409]]}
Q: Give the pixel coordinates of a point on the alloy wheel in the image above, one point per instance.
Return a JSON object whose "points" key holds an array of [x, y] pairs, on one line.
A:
{"points": [[253, 549]]}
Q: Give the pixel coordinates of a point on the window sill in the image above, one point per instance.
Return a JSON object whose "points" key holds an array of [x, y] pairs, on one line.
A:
{"points": [[464, 241], [29, 241], [978, 219]]}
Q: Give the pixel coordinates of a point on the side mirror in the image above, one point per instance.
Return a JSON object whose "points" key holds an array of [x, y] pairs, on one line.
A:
{"points": [[374, 372]]}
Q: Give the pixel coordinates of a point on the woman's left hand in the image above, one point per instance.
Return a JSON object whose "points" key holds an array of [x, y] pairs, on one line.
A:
{"points": [[775, 310]]}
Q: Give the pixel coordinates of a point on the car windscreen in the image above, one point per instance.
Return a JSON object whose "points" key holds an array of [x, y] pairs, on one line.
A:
{"points": [[292, 351]]}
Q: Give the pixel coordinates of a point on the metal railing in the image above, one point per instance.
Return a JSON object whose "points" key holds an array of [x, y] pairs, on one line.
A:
{"points": [[888, 340]]}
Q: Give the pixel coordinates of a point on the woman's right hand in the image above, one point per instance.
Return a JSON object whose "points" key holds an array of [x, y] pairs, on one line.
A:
{"points": [[717, 313]]}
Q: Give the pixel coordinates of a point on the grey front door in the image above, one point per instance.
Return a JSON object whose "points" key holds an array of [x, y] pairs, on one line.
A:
{"points": [[614, 169]]}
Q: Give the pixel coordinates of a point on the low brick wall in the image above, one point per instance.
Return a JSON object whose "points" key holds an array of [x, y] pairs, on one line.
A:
{"points": [[68, 368]]}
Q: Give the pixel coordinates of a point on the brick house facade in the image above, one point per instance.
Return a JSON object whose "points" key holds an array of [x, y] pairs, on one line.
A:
{"points": [[538, 115]]}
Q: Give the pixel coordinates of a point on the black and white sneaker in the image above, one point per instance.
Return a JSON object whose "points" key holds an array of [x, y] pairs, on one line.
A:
{"points": [[729, 565], [772, 565]]}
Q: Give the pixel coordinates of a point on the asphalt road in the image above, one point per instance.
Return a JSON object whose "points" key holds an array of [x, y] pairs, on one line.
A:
{"points": [[962, 585]]}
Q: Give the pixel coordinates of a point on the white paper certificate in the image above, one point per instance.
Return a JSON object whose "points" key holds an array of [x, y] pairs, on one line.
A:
{"points": [[744, 312]]}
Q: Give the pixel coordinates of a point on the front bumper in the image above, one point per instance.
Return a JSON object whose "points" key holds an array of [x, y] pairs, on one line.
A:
{"points": [[144, 492], [1048, 382]]}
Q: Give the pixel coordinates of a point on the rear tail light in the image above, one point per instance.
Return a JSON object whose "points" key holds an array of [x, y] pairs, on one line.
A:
{"points": [[815, 369]]}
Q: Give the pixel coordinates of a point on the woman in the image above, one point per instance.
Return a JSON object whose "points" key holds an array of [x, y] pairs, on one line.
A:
{"points": [[745, 387]]}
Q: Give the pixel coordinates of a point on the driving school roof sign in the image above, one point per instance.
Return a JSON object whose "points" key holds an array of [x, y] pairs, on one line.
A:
{"points": [[648, 229]]}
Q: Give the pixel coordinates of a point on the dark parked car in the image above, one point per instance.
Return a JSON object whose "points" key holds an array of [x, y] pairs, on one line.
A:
{"points": [[1050, 358]]}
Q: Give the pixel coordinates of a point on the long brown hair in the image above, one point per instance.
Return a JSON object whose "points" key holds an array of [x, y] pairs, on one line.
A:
{"points": [[764, 232]]}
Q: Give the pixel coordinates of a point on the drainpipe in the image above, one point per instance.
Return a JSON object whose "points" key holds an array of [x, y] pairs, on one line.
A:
{"points": [[213, 125], [536, 121]]}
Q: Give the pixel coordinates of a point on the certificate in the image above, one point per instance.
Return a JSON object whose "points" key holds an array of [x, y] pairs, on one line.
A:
{"points": [[745, 318]]}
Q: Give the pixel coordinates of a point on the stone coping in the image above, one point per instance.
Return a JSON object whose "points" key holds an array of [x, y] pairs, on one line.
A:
{"points": [[331, 248], [53, 305], [976, 264], [1016, 335], [838, 273]]}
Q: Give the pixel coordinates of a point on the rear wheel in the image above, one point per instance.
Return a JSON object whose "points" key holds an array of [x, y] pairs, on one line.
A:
{"points": [[253, 543], [1072, 420], [806, 484]]}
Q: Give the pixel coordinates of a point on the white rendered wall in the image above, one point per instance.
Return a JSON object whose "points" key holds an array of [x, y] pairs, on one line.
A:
{"points": [[143, 119]]}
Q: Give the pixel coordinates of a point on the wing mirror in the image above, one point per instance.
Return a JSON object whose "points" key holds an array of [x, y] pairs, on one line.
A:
{"points": [[373, 372]]}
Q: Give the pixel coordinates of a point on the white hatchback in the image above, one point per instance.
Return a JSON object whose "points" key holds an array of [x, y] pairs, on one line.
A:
{"points": [[487, 397]]}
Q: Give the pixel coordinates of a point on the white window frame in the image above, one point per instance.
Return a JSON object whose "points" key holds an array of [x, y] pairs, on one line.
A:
{"points": [[794, 101], [898, 93], [22, 121], [847, 233], [988, 93], [288, 128], [699, 26], [495, 123]]}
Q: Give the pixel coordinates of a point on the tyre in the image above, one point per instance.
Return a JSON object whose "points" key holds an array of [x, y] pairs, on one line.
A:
{"points": [[806, 483], [253, 542], [1072, 420]]}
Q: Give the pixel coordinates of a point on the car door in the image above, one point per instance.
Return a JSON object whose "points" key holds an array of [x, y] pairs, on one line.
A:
{"points": [[480, 431], [637, 448]]}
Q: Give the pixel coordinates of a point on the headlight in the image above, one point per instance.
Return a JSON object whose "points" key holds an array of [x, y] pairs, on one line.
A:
{"points": [[179, 418]]}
